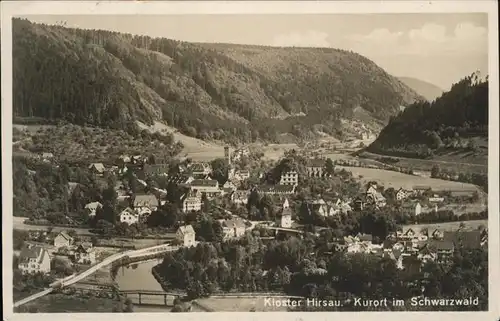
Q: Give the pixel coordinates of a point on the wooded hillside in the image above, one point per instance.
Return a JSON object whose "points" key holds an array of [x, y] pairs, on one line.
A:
{"points": [[456, 121], [209, 91]]}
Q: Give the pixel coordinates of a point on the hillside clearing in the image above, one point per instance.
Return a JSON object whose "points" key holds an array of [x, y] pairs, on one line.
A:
{"points": [[398, 180], [456, 163], [194, 148], [448, 226]]}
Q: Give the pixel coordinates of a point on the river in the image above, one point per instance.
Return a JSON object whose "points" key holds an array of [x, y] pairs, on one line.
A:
{"points": [[138, 276]]}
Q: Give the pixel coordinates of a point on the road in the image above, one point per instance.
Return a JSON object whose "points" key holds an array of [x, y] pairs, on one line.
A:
{"points": [[107, 261]]}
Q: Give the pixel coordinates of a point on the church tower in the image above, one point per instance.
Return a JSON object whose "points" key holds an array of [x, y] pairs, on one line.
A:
{"points": [[227, 155], [230, 168]]}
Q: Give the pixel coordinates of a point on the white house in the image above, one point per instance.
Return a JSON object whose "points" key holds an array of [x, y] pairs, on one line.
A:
{"points": [[145, 204], [191, 203], [436, 199], [186, 235], [321, 208], [47, 155], [62, 240], [375, 197], [233, 228], [34, 260], [228, 187], [412, 208], [92, 208], [85, 253], [129, 216], [242, 175], [289, 178], [200, 169], [316, 168], [240, 197], [209, 187], [97, 168], [124, 159]]}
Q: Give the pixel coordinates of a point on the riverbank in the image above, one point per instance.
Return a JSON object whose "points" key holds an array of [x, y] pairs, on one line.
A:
{"points": [[60, 303]]}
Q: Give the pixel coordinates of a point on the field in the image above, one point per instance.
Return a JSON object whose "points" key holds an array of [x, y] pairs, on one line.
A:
{"points": [[194, 148], [459, 209], [54, 303], [18, 224], [448, 226], [397, 180], [238, 305], [455, 163]]}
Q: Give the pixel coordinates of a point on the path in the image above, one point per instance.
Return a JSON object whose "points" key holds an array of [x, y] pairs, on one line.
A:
{"points": [[107, 261]]}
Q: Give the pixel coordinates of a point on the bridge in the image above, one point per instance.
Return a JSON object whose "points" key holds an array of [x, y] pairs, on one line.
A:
{"points": [[72, 279], [143, 297]]}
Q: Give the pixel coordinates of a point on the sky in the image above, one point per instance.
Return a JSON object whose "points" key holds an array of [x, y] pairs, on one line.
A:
{"points": [[440, 48]]}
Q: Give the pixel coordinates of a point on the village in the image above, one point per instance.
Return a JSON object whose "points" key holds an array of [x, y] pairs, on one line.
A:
{"points": [[196, 184]]}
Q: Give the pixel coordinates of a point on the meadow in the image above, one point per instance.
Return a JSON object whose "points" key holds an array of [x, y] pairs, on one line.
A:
{"points": [[448, 226], [457, 163], [398, 180]]}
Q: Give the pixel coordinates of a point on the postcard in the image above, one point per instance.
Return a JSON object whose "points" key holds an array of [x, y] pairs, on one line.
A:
{"points": [[300, 158]]}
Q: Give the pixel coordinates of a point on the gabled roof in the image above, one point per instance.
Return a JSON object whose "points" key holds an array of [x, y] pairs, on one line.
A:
{"points": [[98, 167], [204, 182], [316, 163], [408, 231], [28, 253], [199, 167], [128, 210], [234, 223], [65, 235], [284, 212], [178, 179], [145, 200], [85, 247], [93, 205], [192, 199], [241, 193], [186, 229]]}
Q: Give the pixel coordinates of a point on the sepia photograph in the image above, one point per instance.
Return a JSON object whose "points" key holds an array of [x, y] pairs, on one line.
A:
{"points": [[206, 160]]}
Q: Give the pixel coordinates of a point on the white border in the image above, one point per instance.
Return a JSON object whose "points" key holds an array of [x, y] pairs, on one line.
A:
{"points": [[17, 8]]}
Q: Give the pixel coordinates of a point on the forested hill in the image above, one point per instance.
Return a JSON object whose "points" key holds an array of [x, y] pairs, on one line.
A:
{"points": [[457, 121], [210, 91]]}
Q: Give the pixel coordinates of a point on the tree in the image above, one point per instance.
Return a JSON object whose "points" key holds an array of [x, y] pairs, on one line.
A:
{"points": [[329, 167], [61, 267], [220, 169], [435, 171], [129, 306]]}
